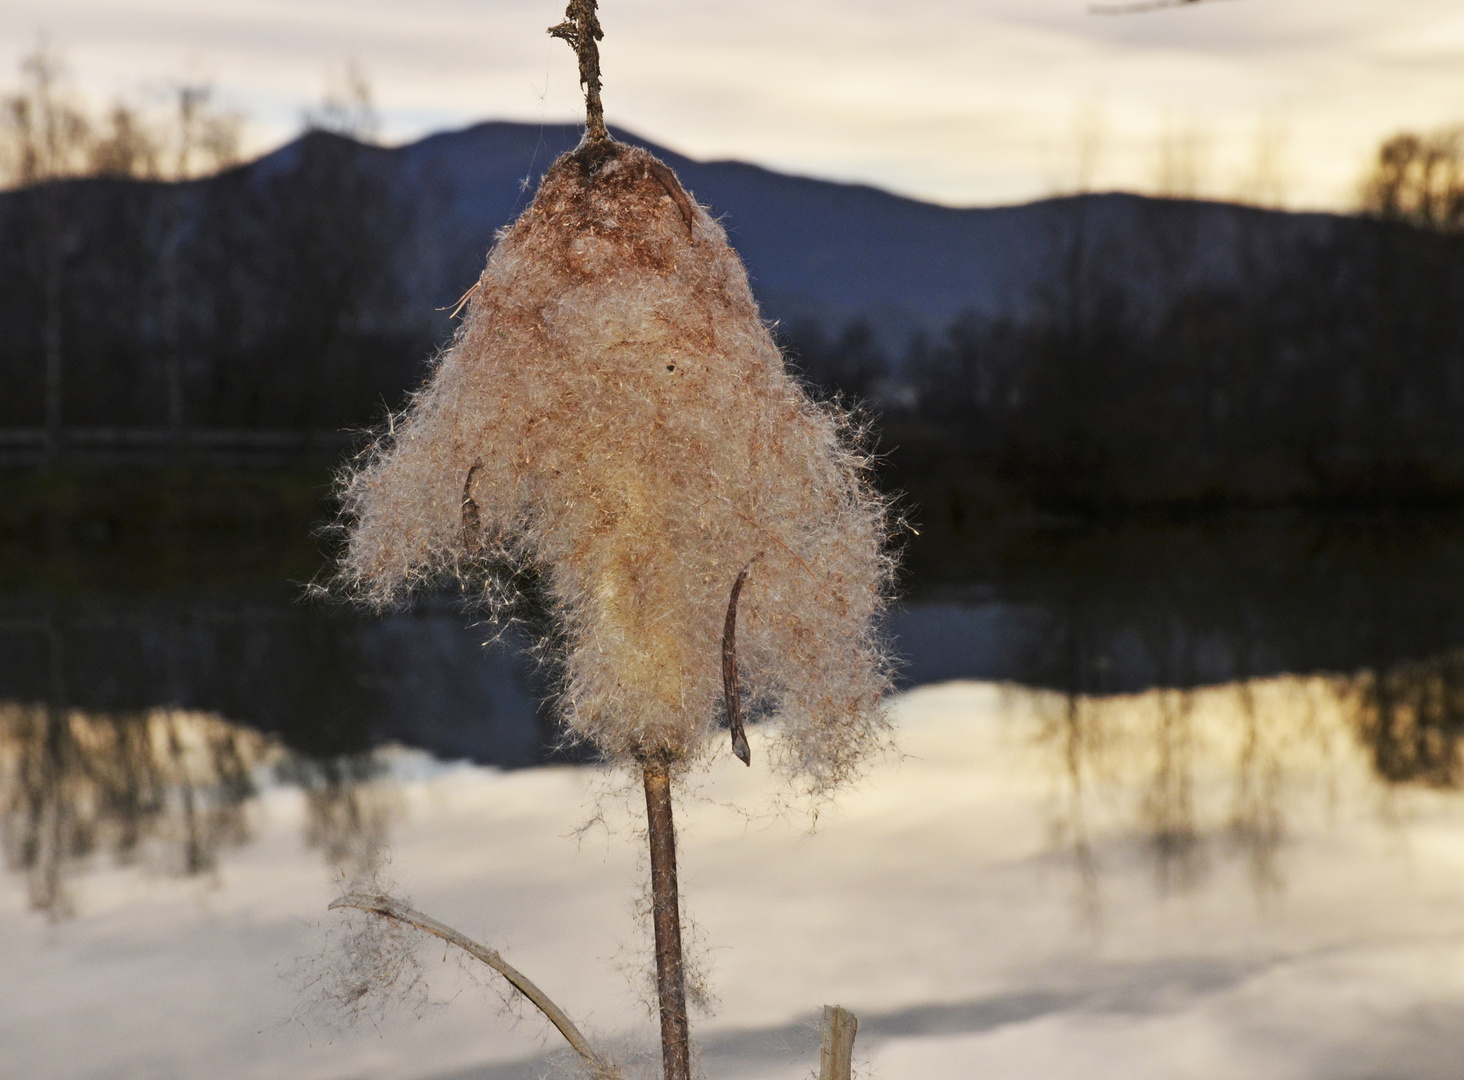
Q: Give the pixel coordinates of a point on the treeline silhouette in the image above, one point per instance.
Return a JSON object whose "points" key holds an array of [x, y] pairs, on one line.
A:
{"points": [[1333, 373], [248, 299], [1317, 360], [1329, 370], [153, 285]]}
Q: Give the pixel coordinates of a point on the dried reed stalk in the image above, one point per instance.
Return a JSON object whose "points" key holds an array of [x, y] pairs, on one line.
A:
{"points": [[615, 416], [666, 919], [836, 1057], [581, 29]]}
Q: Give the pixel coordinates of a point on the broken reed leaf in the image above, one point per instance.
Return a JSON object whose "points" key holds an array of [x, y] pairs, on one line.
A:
{"points": [[626, 425], [667, 180], [731, 691], [462, 301], [399, 912], [472, 518]]}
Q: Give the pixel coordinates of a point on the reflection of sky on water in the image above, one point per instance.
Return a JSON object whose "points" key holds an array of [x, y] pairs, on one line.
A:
{"points": [[1205, 773], [986, 905], [1185, 805]]}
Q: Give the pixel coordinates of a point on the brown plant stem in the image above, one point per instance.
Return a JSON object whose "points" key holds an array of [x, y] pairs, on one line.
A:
{"points": [[666, 916], [581, 29], [391, 908], [835, 1061]]}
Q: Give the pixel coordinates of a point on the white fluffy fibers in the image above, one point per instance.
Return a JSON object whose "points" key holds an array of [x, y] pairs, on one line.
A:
{"points": [[614, 413]]}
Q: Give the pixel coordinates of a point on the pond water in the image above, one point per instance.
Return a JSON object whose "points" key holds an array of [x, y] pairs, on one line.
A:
{"points": [[1174, 801]]}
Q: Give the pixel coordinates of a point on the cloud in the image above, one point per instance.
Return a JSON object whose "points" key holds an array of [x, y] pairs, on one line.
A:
{"points": [[954, 100]]}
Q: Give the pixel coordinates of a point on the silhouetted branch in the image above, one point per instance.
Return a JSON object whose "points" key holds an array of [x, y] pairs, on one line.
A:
{"points": [[1139, 6]]}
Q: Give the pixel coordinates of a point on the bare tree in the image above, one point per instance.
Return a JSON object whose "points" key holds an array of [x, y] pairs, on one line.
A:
{"points": [[47, 137], [126, 149], [1419, 179], [204, 139], [1264, 183], [1181, 159], [347, 108]]}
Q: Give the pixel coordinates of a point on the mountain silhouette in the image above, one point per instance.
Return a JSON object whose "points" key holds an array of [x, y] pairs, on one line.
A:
{"points": [[815, 249]]}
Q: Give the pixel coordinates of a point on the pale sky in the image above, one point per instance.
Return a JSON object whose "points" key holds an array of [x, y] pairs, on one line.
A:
{"points": [[966, 102]]}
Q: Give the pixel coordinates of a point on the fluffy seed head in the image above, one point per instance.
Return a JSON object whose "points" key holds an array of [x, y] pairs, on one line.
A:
{"points": [[614, 414]]}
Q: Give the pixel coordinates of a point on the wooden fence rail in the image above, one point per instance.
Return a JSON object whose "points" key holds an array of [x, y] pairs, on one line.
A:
{"points": [[233, 447]]}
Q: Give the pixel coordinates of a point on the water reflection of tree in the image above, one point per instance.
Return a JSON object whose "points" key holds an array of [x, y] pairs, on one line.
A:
{"points": [[115, 745], [165, 786], [1411, 718], [1145, 765], [349, 806], [1256, 821], [167, 789], [134, 728], [1199, 773], [1107, 745]]}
